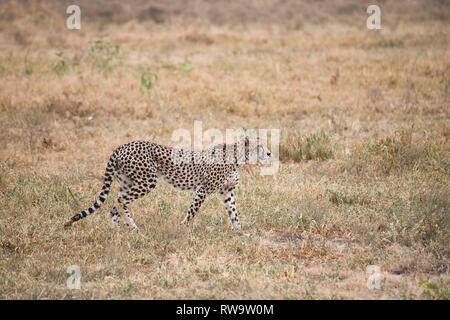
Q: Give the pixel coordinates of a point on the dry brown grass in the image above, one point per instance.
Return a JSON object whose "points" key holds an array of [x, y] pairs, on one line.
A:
{"points": [[364, 119]]}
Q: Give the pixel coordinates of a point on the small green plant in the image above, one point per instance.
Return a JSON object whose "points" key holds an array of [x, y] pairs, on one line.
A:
{"points": [[185, 66], [129, 287], [148, 82], [148, 79], [105, 56], [390, 44], [236, 51], [438, 290], [62, 65], [28, 69], [385, 44], [339, 198]]}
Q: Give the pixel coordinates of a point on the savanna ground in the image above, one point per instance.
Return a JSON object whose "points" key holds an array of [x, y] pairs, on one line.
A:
{"points": [[364, 155]]}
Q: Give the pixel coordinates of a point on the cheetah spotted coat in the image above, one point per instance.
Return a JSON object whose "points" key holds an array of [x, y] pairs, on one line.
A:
{"points": [[138, 166]]}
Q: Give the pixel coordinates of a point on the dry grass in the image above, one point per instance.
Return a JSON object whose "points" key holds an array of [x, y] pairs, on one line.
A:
{"points": [[364, 178]]}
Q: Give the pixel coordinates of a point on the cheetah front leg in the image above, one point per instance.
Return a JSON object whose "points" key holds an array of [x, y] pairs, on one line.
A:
{"points": [[230, 205], [197, 200]]}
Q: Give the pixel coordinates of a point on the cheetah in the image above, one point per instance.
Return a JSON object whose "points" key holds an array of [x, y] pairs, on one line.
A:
{"points": [[138, 165]]}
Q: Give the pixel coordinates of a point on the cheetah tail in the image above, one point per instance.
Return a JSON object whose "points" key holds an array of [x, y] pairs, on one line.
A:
{"points": [[108, 178]]}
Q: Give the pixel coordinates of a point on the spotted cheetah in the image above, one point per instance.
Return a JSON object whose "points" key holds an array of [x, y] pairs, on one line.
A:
{"points": [[139, 164]]}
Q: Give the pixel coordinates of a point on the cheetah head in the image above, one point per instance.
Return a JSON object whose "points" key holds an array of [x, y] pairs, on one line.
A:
{"points": [[255, 150]]}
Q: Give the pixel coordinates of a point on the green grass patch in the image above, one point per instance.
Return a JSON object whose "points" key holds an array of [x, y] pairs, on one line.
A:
{"points": [[315, 146]]}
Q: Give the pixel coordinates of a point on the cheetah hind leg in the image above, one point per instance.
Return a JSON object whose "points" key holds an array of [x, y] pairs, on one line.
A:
{"points": [[122, 210], [126, 195], [115, 217], [136, 191]]}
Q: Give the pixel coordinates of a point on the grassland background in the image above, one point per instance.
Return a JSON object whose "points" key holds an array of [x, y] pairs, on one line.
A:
{"points": [[364, 173]]}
